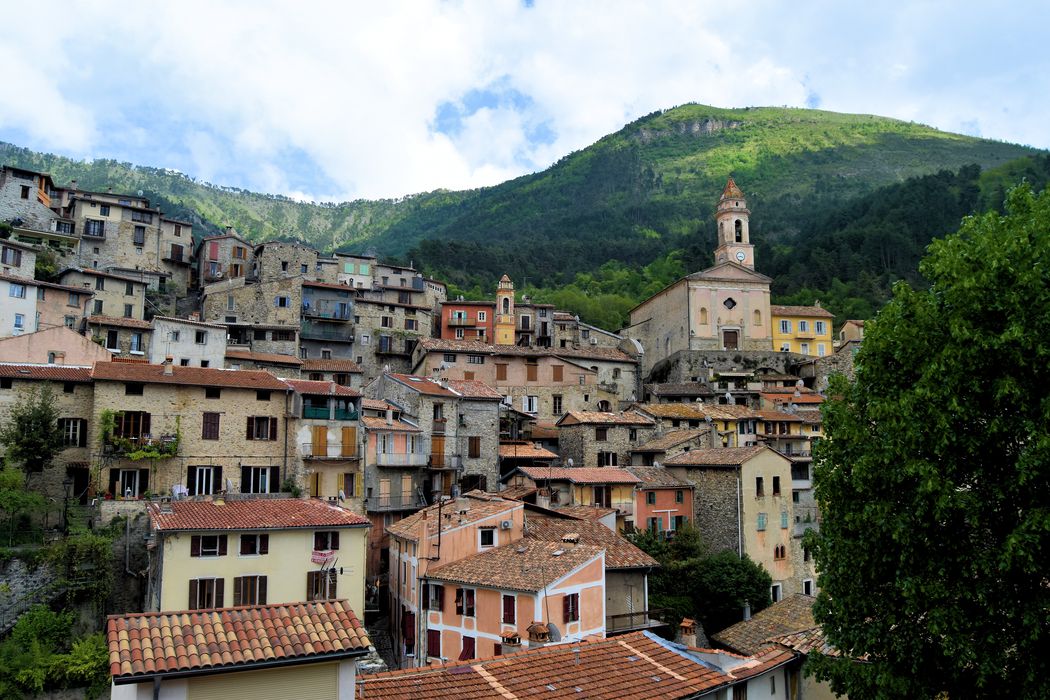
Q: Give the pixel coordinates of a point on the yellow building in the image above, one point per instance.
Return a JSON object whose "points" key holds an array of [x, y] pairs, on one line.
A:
{"points": [[602, 487], [805, 330], [254, 551], [268, 652], [504, 330]]}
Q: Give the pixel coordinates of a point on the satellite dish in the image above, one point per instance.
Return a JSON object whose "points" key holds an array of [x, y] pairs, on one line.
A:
{"points": [[708, 419], [729, 397], [342, 496], [656, 464], [229, 486], [386, 369], [799, 384], [554, 632], [570, 461], [140, 193]]}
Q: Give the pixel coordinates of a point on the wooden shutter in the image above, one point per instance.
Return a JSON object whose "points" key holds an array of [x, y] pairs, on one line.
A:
{"points": [[238, 585], [468, 648], [192, 605], [530, 373], [508, 609], [143, 481], [501, 371], [213, 251], [566, 609], [264, 544], [275, 478], [556, 372], [433, 642], [474, 447], [426, 596], [250, 434], [273, 428], [468, 602], [319, 441], [245, 547], [216, 478], [246, 478], [191, 480], [460, 602], [82, 439], [318, 540], [349, 441], [195, 546], [311, 585], [145, 428], [114, 477], [334, 539], [439, 593], [218, 592], [260, 592], [222, 545]]}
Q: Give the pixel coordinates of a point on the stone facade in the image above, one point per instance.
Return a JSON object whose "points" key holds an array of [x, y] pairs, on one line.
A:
{"points": [[715, 505], [118, 232], [277, 260], [700, 365], [327, 330], [123, 337], [275, 302], [585, 445], [114, 295], [386, 334], [224, 257]]}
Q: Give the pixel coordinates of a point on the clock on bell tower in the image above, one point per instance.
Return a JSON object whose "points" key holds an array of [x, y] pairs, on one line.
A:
{"points": [[734, 244]]}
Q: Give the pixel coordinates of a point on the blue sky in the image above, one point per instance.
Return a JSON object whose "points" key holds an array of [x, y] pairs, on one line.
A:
{"points": [[352, 100]]}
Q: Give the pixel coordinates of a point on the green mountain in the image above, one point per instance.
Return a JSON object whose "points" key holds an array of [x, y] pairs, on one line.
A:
{"points": [[609, 224]]}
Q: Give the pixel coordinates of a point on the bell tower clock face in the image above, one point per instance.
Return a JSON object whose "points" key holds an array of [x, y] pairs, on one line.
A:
{"points": [[741, 256]]}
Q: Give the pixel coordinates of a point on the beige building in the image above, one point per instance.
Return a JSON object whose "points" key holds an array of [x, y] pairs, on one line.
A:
{"points": [[115, 295], [56, 346], [187, 342]]}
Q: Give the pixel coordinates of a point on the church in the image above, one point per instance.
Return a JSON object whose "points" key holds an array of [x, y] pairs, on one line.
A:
{"points": [[725, 307]]}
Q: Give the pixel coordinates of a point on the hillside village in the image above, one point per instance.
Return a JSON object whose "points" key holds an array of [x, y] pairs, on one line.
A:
{"points": [[328, 443]]}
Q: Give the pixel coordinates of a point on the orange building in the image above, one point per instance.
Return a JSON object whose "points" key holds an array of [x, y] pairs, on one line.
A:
{"points": [[467, 320], [663, 502]]}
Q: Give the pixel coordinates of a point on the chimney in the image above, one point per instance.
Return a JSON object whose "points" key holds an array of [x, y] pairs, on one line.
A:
{"points": [[331, 387], [539, 634], [687, 632], [747, 611], [168, 369], [389, 416], [73, 185], [570, 540], [195, 315]]}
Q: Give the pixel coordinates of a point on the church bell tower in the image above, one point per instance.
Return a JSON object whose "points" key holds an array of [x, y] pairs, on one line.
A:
{"points": [[734, 244]]}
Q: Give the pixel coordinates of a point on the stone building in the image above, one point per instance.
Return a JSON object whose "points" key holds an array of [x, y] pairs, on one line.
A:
{"points": [[327, 330], [386, 334], [124, 337], [343, 372], [224, 257], [571, 332], [29, 201], [600, 439], [277, 364], [328, 440], [743, 503], [114, 295], [187, 342]]}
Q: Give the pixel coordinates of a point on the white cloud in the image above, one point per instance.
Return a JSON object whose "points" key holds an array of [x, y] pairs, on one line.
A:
{"points": [[330, 100]]}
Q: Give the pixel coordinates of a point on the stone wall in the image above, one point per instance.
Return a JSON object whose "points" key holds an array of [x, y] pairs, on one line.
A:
{"points": [[369, 329], [818, 372], [21, 586], [715, 505], [694, 365], [579, 442], [574, 397]]}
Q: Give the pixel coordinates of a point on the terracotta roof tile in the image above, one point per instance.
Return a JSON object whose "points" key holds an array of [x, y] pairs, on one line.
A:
{"points": [[808, 640], [524, 450], [593, 352], [375, 404], [662, 443], [785, 398], [253, 514], [603, 418], [529, 564], [776, 310], [582, 512], [518, 492], [635, 666], [580, 475], [778, 416], [263, 357], [682, 411], [332, 366], [380, 424], [619, 553], [149, 644], [658, 478], [480, 506], [57, 373], [793, 614], [452, 388], [194, 376], [98, 320], [715, 456], [304, 386]]}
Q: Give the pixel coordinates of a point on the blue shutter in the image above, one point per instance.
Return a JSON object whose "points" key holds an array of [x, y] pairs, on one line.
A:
{"points": [[761, 521], [784, 519]]}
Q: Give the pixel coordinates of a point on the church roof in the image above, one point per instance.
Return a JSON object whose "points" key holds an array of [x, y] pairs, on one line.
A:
{"points": [[504, 278], [731, 191], [729, 270]]}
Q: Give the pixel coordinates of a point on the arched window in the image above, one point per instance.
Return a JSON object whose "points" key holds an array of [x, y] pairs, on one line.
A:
{"points": [[739, 231], [506, 305], [603, 405], [703, 316], [758, 317]]}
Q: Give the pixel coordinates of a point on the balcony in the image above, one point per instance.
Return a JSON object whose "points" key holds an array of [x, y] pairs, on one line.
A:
{"points": [[402, 459], [323, 413], [624, 508], [214, 276], [460, 322], [438, 427], [322, 311], [323, 331], [629, 622], [446, 461], [610, 387], [312, 451], [408, 501], [97, 231]]}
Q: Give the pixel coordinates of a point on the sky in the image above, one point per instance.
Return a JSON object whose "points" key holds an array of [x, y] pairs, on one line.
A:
{"points": [[330, 101]]}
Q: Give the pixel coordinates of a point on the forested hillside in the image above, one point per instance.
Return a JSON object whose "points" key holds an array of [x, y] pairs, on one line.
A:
{"points": [[842, 205]]}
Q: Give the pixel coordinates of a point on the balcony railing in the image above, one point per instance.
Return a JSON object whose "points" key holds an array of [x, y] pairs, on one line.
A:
{"points": [[402, 459], [643, 619], [327, 451], [319, 331], [393, 502], [323, 412], [326, 313], [624, 508], [446, 461], [459, 322], [438, 427]]}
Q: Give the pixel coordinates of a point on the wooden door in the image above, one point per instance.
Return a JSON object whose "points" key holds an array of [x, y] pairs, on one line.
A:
{"points": [[319, 441], [315, 485], [730, 339], [437, 451]]}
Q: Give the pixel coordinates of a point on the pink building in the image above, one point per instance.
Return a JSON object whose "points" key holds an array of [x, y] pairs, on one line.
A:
{"points": [[663, 502]]}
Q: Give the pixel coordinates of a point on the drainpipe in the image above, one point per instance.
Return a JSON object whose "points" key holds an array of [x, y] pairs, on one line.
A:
{"points": [[739, 529]]}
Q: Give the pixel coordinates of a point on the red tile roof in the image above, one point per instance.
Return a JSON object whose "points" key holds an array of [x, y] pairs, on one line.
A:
{"points": [[776, 310], [658, 478], [582, 512], [253, 514], [593, 352], [263, 357], [580, 475], [329, 285], [479, 506], [377, 423], [524, 450], [305, 386], [193, 376], [56, 373], [526, 565], [332, 366], [97, 320], [715, 456], [452, 388], [375, 404], [782, 398], [664, 442], [778, 416], [603, 418], [98, 273], [792, 614], [190, 322], [634, 666], [155, 644], [619, 553]]}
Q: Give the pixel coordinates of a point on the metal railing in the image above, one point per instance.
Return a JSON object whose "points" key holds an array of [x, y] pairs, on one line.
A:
{"points": [[446, 461], [405, 501], [319, 331], [402, 459], [328, 451], [324, 312], [635, 620]]}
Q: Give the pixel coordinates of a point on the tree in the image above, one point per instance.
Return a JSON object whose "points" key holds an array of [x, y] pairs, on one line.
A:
{"points": [[16, 503], [933, 478], [31, 434]]}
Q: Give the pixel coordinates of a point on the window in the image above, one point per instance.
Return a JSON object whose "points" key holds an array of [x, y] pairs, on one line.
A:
{"points": [[601, 434], [571, 607], [474, 447], [650, 498], [556, 404], [761, 521], [133, 388], [18, 291], [321, 585], [129, 310], [74, 432], [607, 459], [803, 326], [679, 496], [94, 228], [249, 590], [530, 371], [303, 268], [779, 552], [785, 326], [465, 602], [509, 609], [807, 586], [5, 382], [459, 334], [70, 321], [451, 358], [283, 335], [803, 348], [208, 546], [210, 429], [205, 363], [326, 540], [97, 307], [487, 536], [434, 643], [501, 372], [529, 404], [203, 479], [139, 236], [142, 216], [557, 372], [776, 485], [482, 316], [205, 593], [411, 324], [775, 592], [805, 554], [260, 479], [760, 489], [282, 302], [729, 303], [261, 428], [25, 192], [740, 691], [69, 388], [820, 327], [200, 337], [433, 597], [821, 351], [468, 648], [11, 257], [136, 343], [131, 424], [20, 322], [475, 359], [783, 519]]}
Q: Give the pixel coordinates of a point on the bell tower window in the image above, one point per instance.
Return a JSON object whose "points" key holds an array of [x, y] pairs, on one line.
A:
{"points": [[739, 231]]}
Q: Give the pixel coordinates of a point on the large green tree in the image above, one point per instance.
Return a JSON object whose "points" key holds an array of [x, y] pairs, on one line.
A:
{"points": [[933, 479], [31, 435]]}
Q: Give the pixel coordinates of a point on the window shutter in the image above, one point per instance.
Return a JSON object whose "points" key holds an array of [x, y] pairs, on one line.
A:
{"points": [[146, 424], [275, 480], [483, 482], [114, 477], [334, 539], [218, 592], [82, 440], [245, 539], [566, 609], [273, 428], [317, 541], [264, 544], [459, 601], [216, 479], [439, 591], [246, 479], [191, 480], [213, 251], [193, 595], [508, 610], [238, 583], [222, 545], [426, 596], [143, 481], [261, 592], [195, 546], [311, 586], [358, 479], [250, 433]]}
